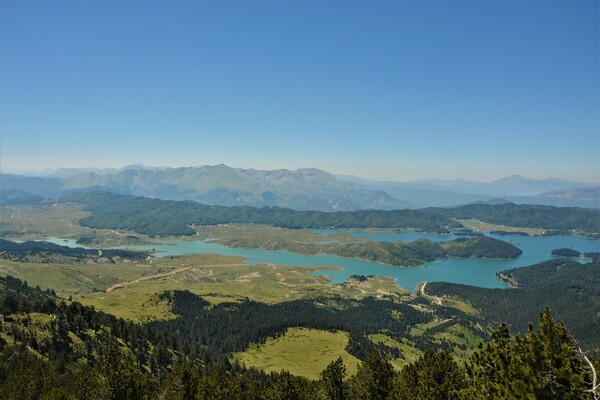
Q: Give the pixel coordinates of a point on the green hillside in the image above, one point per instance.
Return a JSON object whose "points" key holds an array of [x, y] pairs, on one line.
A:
{"points": [[570, 289], [51, 349], [160, 217]]}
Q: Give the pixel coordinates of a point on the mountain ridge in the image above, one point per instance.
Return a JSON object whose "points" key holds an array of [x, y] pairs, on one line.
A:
{"points": [[301, 189]]}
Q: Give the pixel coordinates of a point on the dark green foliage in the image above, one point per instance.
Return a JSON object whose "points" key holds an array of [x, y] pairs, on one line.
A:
{"points": [[284, 387], [95, 328], [181, 383], [527, 216], [184, 302], [570, 289], [538, 273], [373, 379], [24, 251], [404, 254], [359, 278], [565, 253], [25, 376], [332, 380], [123, 360], [217, 384], [16, 295], [85, 240], [122, 377], [542, 365], [161, 217], [230, 327], [434, 376], [480, 246], [421, 250], [594, 256]]}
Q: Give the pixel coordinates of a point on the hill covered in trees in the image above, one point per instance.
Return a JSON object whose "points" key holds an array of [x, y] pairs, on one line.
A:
{"points": [[159, 217], [570, 289], [560, 219], [59, 350], [419, 251], [33, 251]]}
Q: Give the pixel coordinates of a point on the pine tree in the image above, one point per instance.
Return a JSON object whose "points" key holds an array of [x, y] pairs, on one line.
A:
{"points": [[542, 365], [373, 378], [332, 380], [123, 379], [434, 376]]}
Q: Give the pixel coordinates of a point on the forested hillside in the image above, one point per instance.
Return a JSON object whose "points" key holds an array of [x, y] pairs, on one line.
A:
{"points": [[32, 251], [160, 217], [57, 350], [419, 251], [230, 327], [570, 289], [527, 216]]}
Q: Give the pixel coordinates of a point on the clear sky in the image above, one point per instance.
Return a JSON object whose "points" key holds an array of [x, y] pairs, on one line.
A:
{"points": [[394, 90]]}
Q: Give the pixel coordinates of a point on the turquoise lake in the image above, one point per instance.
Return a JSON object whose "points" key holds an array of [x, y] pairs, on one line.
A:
{"points": [[469, 271]]}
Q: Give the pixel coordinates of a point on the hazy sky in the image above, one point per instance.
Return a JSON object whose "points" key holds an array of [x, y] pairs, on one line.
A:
{"points": [[394, 90]]}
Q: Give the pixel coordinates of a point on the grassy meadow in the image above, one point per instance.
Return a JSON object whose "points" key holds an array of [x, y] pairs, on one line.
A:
{"points": [[304, 352]]}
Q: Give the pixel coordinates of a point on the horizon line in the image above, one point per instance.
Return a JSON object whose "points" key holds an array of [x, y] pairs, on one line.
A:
{"points": [[46, 172]]}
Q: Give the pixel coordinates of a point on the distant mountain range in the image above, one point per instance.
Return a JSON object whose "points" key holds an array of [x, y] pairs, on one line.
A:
{"points": [[303, 189], [517, 189]]}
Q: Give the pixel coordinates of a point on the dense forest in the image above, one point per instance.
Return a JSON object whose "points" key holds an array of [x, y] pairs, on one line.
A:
{"points": [[527, 216], [565, 253], [33, 251], [419, 251], [570, 289], [85, 354], [162, 217], [230, 327]]}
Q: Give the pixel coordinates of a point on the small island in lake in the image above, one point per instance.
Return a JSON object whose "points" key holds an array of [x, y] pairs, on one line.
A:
{"points": [[564, 252]]}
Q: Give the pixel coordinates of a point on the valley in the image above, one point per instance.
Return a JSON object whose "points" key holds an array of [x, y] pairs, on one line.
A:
{"points": [[276, 298], [290, 200]]}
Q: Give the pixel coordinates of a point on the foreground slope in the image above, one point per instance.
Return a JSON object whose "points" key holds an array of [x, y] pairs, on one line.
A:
{"points": [[570, 289]]}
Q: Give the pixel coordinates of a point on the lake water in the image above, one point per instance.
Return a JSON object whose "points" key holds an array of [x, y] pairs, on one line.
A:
{"points": [[469, 271], [72, 243]]}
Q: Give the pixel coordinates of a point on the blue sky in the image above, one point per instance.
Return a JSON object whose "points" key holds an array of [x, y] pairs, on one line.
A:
{"points": [[393, 90]]}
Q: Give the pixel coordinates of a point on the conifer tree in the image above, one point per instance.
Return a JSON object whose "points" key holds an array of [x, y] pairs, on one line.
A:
{"points": [[542, 365], [373, 378], [332, 380], [434, 376]]}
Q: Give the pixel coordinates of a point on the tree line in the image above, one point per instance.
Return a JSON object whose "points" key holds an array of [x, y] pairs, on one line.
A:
{"points": [[543, 364], [167, 217], [570, 289], [25, 251]]}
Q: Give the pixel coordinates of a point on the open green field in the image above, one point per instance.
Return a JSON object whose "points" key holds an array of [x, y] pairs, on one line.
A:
{"points": [[480, 226], [37, 222], [26, 222], [304, 352], [130, 290], [411, 353], [269, 237]]}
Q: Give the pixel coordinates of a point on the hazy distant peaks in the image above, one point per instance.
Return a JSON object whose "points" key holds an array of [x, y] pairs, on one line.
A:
{"points": [[303, 189]]}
